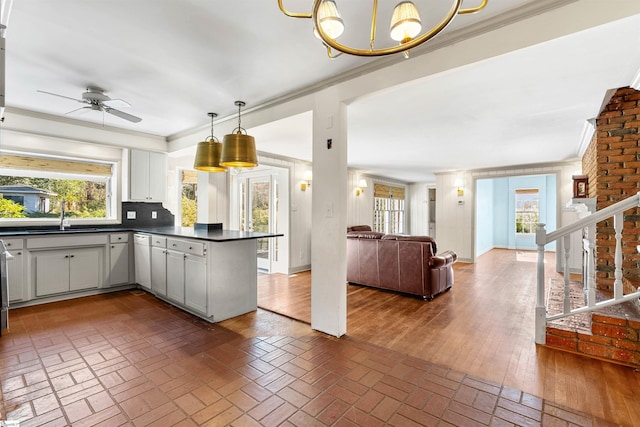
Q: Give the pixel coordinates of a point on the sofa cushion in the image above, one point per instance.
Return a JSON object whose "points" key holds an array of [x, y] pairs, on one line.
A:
{"points": [[404, 237], [364, 235], [358, 228]]}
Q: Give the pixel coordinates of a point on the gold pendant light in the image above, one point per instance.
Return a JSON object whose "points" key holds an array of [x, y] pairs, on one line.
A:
{"points": [[208, 153], [238, 148]]}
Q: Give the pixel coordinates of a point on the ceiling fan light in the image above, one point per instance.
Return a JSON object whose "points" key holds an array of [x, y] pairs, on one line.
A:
{"points": [[239, 151], [405, 22], [330, 20], [208, 157]]}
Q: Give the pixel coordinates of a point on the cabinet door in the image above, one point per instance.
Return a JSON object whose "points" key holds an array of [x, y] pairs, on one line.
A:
{"points": [[139, 175], [175, 276], [51, 272], [195, 282], [85, 268], [159, 270], [157, 176], [119, 268], [15, 274]]}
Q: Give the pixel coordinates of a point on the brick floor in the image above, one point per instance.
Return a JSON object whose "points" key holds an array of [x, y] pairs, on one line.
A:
{"points": [[126, 359]]}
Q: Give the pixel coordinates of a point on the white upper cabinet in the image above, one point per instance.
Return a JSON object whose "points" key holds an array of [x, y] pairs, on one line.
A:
{"points": [[147, 176]]}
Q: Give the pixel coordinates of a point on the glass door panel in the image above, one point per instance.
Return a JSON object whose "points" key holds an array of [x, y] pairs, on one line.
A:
{"points": [[259, 216]]}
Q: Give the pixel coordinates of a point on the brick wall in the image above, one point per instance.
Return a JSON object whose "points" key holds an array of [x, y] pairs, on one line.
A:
{"points": [[612, 163], [613, 339]]}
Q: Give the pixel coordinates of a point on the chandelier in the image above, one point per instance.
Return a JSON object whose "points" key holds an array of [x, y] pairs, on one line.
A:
{"points": [[405, 26]]}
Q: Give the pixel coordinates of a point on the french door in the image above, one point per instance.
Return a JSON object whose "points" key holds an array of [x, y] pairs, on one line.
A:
{"points": [[258, 200], [259, 216]]}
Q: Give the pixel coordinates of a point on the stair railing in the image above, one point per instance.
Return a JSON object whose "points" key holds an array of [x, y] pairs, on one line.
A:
{"points": [[588, 226]]}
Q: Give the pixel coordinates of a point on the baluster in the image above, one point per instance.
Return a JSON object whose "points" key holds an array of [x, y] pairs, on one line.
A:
{"points": [[591, 269], [541, 311], [617, 283], [585, 260], [567, 274]]}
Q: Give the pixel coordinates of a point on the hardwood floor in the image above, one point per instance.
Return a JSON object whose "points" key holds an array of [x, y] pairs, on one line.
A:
{"points": [[484, 327]]}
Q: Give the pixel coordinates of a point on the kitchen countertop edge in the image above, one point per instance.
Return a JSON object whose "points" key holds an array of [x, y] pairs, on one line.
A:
{"points": [[213, 236]]}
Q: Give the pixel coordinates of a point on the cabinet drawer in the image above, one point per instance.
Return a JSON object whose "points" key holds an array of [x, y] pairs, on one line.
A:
{"points": [[119, 237], [159, 241], [13, 244], [186, 246]]}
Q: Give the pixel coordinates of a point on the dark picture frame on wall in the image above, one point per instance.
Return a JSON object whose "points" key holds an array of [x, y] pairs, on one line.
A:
{"points": [[580, 186]]}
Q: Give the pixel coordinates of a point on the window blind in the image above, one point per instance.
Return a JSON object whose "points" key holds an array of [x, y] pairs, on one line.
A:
{"points": [[54, 165], [386, 191]]}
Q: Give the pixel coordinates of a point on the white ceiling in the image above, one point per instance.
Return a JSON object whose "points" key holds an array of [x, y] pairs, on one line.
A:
{"points": [[176, 60]]}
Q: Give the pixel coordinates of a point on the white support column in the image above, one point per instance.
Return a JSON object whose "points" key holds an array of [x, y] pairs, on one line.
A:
{"points": [[567, 274], [329, 215], [541, 311], [591, 268], [617, 283], [213, 198]]}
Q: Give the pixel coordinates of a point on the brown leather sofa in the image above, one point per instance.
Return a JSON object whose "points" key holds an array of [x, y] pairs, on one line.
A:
{"points": [[400, 263]]}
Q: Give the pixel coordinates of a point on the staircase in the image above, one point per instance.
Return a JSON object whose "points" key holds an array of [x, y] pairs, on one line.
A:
{"points": [[577, 317]]}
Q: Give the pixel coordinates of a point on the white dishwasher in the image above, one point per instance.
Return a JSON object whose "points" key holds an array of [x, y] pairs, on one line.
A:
{"points": [[142, 255]]}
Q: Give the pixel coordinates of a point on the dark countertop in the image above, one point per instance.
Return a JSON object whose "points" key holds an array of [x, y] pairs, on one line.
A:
{"points": [[214, 236]]}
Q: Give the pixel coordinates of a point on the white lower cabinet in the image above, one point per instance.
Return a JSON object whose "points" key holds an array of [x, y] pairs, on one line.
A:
{"points": [[159, 270], [185, 267], [15, 270], [119, 258], [195, 282], [175, 276], [58, 271]]}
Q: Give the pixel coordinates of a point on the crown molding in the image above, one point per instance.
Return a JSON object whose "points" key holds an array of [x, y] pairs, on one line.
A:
{"points": [[587, 135], [635, 83]]}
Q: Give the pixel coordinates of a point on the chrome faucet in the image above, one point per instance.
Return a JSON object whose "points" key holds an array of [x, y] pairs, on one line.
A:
{"points": [[62, 203]]}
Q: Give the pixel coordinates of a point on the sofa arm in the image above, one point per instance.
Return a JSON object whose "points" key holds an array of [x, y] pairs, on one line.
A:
{"points": [[442, 260]]}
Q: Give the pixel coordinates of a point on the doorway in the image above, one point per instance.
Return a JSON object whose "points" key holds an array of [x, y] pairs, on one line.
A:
{"points": [[259, 198]]}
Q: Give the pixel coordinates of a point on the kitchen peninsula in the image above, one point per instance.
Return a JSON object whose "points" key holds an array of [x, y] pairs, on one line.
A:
{"points": [[211, 274]]}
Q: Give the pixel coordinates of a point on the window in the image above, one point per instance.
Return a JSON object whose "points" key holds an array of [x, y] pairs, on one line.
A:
{"points": [[388, 209], [189, 197], [527, 211], [36, 187]]}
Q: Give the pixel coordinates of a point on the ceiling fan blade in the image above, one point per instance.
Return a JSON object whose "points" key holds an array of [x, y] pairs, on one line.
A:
{"points": [[116, 103], [122, 114], [77, 109], [62, 96]]}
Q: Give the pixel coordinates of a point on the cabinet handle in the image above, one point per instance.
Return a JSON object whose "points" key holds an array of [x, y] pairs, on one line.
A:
{"points": [[66, 256], [72, 256], [174, 245], [113, 247], [8, 244], [19, 253], [119, 238], [190, 247]]}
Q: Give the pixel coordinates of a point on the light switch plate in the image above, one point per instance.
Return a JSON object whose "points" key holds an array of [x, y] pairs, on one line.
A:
{"points": [[131, 214], [154, 215]]}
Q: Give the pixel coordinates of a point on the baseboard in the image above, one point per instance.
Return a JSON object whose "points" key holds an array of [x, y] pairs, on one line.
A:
{"points": [[300, 269]]}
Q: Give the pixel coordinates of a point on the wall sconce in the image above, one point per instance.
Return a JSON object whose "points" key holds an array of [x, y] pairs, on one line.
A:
{"points": [[459, 187], [306, 182], [362, 184]]}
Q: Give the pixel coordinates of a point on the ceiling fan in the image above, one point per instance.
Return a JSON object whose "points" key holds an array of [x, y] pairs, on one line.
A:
{"points": [[96, 100]]}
